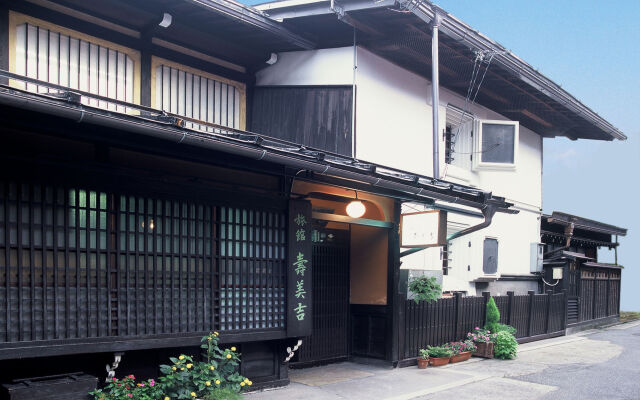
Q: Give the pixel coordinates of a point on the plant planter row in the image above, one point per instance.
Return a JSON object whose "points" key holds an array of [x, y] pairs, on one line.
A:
{"points": [[439, 361]]}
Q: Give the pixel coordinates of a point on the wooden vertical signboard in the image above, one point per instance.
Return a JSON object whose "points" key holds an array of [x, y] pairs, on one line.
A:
{"points": [[299, 273]]}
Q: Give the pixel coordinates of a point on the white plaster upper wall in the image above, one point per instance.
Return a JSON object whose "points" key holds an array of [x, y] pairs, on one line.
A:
{"points": [[311, 67], [393, 127], [393, 118], [393, 121]]}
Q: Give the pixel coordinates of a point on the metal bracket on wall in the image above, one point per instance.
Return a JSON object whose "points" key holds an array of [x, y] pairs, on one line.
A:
{"points": [[111, 369], [291, 352]]}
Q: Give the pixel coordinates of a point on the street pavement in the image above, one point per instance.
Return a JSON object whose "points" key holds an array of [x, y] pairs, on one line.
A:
{"points": [[597, 364]]}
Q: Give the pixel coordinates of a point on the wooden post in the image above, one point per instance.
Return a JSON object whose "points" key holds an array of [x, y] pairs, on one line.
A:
{"points": [[459, 315], [530, 323], [511, 308], [486, 296], [593, 300], [565, 292], [548, 320], [608, 293]]}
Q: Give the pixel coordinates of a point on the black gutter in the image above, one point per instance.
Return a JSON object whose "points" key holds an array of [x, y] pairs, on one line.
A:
{"points": [[226, 143], [253, 17]]}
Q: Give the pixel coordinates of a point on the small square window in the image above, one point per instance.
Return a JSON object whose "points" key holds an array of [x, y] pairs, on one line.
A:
{"points": [[496, 145]]}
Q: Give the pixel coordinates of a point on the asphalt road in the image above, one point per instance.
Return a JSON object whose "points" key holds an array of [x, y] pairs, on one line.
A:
{"points": [[617, 378], [601, 364]]}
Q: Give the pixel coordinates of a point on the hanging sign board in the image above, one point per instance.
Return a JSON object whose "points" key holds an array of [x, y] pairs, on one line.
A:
{"points": [[299, 270], [423, 229]]}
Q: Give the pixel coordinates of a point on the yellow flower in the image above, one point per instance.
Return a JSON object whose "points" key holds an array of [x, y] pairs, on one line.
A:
{"points": [[193, 394], [181, 358], [233, 349], [217, 381], [189, 365], [212, 368], [166, 398], [215, 333], [207, 383], [228, 355], [242, 383], [174, 368], [249, 383], [182, 369]]}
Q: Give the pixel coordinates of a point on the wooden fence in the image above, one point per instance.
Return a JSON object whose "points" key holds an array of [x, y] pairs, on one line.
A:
{"points": [[535, 316]]}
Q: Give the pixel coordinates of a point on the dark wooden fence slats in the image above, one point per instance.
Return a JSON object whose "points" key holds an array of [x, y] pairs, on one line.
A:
{"points": [[449, 319]]}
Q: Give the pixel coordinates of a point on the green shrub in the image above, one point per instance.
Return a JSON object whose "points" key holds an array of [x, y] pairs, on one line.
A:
{"points": [[222, 394], [505, 328], [493, 316], [506, 346], [186, 378], [425, 288], [424, 354], [439, 351]]}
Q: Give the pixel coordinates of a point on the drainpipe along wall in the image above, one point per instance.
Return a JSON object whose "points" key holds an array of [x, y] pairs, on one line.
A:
{"points": [[435, 93]]}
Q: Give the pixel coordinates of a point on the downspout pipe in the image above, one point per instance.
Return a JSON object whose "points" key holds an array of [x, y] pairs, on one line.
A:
{"points": [[488, 211], [435, 93]]}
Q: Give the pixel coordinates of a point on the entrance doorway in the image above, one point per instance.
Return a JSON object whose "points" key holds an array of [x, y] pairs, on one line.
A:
{"points": [[330, 340]]}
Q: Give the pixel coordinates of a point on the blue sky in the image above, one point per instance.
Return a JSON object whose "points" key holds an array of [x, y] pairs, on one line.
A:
{"points": [[591, 48]]}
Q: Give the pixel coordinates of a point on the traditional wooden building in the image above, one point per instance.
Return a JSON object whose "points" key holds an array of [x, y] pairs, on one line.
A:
{"points": [[571, 264], [138, 212]]}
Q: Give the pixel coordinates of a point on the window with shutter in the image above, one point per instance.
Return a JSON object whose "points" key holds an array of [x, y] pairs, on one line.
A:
{"points": [[63, 57], [199, 95]]}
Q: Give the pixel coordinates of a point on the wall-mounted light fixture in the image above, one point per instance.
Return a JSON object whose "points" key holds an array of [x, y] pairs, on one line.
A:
{"points": [[356, 208], [166, 20]]}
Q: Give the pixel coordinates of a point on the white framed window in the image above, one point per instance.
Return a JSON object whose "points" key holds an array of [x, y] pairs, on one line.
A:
{"points": [[495, 144], [196, 94], [61, 56]]}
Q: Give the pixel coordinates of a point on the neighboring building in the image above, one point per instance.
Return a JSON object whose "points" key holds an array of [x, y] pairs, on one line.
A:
{"points": [[491, 134], [139, 210], [571, 264]]}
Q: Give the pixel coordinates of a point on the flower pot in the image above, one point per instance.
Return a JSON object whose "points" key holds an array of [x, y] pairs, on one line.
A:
{"points": [[438, 361], [422, 362], [460, 357], [484, 350]]}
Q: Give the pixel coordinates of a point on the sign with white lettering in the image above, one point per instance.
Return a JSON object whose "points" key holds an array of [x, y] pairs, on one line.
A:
{"points": [[299, 300], [423, 229]]}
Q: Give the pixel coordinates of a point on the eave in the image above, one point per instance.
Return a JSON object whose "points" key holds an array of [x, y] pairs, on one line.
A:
{"points": [[399, 31]]}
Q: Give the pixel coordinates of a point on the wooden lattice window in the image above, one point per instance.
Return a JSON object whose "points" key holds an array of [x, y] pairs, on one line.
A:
{"points": [[81, 263]]}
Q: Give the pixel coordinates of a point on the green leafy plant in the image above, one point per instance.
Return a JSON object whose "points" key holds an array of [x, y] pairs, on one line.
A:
{"points": [[439, 352], [493, 316], [223, 394], [127, 388], [217, 373], [505, 328], [424, 354], [425, 288], [506, 346]]}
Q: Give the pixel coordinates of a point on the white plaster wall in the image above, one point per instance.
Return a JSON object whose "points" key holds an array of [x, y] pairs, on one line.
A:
{"points": [[393, 128], [312, 67]]}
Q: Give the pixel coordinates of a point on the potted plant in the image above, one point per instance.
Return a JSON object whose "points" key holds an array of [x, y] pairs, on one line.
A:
{"points": [[423, 360], [425, 288], [483, 339], [438, 355], [461, 350]]}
